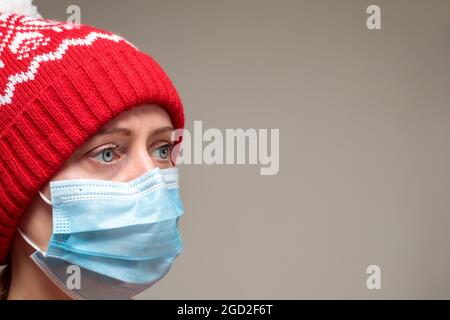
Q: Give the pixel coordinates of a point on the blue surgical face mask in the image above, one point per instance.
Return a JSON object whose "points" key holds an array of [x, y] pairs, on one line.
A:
{"points": [[122, 237]]}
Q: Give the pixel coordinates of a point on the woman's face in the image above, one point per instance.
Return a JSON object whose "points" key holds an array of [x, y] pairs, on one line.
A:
{"points": [[136, 141]]}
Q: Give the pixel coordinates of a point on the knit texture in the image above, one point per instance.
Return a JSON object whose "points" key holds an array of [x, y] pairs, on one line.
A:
{"points": [[59, 84]]}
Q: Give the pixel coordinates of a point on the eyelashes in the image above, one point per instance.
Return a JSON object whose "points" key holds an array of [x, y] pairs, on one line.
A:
{"points": [[163, 152], [106, 156], [111, 155]]}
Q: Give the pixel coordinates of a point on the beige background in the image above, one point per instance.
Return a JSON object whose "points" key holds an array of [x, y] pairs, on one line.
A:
{"points": [[364, 119]]}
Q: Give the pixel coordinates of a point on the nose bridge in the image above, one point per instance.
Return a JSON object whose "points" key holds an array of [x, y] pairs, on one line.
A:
{"points": [[140, 163]]}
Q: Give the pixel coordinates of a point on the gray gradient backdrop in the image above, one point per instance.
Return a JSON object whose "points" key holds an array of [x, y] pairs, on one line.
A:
{"points": [[364, 119]]}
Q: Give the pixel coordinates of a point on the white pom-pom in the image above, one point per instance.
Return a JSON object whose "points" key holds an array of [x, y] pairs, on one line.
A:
{"points": [[24, 7]]}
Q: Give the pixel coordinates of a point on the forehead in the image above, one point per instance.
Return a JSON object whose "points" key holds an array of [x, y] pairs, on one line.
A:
{"points": [[142, 116]]}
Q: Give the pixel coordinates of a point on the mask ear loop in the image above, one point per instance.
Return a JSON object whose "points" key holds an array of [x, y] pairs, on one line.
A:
{"points": [[28, 240], [31, 243], [43, 197]]}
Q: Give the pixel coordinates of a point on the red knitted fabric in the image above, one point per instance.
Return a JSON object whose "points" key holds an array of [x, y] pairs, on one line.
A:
{"points": [[60, 83]]}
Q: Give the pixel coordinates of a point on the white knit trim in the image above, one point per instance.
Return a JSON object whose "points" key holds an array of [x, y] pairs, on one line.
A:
{"points": [[21, 37], [58, 54]]}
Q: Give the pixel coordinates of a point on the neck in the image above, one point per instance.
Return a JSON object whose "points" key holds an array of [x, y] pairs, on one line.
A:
{"points": [[28, 282]]}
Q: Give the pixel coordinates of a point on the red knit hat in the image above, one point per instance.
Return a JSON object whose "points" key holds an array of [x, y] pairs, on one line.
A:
{"points": [[59, 83]]}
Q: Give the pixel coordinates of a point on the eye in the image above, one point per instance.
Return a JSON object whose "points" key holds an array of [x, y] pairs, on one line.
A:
{"points": [[163, 152], [106, 155]]}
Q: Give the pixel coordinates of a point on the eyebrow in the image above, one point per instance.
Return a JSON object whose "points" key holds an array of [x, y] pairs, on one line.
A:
{"points": [[127, 132], [162, 130], [123, 131]]}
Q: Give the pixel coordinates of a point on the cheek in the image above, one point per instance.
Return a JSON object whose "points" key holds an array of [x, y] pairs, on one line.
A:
{"points": [[83, 168]]}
